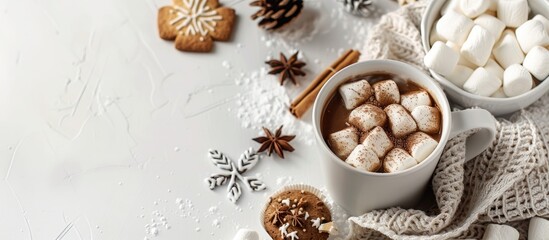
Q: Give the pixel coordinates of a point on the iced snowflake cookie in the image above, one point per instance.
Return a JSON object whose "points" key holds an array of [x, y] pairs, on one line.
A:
{"points": [[195, 24], [297, 212]]}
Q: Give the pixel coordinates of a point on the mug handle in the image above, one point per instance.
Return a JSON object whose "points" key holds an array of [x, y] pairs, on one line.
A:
{"points": [[468, 119]]}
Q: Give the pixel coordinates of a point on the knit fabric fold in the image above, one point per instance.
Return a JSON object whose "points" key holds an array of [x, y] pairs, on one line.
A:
{"points": [[508, 183]]}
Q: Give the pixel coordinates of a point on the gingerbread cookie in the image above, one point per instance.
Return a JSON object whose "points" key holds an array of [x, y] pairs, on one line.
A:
{"points": [[195, 24]]}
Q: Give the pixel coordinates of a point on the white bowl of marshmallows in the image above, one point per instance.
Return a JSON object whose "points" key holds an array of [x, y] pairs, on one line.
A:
{"points": [[488, 53]]}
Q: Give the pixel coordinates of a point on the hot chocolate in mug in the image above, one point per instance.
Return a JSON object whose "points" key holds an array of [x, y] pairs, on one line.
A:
{"points": [[358, 191]]}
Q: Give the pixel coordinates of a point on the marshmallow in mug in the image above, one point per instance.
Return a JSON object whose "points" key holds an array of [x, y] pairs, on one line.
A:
{"points": [[343, 142], [400, 121], [416, 98], [355, 93], [420, 145], [367, 117], [428, 119], [386, 92], [398, 160], [364, 158], [378, 141]]}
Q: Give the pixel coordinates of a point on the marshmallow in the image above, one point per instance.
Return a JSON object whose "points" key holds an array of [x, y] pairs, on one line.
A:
{"points": [[398, 160], [500, 232], [366, 117], [537, 62], [507, 50], [343, 142], [435, 36], [499, 94], [364, 158], [454, 26], [482, 83], [493, 5], [441, 59], [492, 24], [420, 145], [538, 229], [416, 98], [355, 93], [452, 5], [516, 80], [474, 8], [427, 118], [513, 12], [400, 121], [462, 61], [543, 20], [378, 141], [530, 34], [494, 68], [478, 46], [460, 75], [386, 92], [246, 234]]}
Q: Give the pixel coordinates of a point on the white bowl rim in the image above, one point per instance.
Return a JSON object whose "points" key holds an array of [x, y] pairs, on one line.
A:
{"points": [[425, 35]]}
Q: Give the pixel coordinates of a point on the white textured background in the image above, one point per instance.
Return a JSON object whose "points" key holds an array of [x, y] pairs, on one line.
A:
{"points": [[104, 126]]}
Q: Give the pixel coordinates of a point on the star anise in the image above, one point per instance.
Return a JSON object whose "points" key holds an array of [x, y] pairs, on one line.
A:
{"points": [[287, 68], [275, 143], [279, 214], [295, 218]]}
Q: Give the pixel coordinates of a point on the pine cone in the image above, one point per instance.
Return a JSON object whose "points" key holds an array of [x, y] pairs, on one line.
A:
{"points": [[276, 13], [358, 7]]}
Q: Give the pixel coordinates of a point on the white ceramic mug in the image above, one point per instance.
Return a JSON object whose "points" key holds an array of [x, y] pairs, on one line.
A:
{"points": [[358, 191]]}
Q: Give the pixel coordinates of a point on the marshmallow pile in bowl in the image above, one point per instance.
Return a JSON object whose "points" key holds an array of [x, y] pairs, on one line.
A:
{"points": [[490, 50], [368, 143]]}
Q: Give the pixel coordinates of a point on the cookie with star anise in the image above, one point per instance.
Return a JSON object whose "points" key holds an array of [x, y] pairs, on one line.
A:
{"points": [[297, 214], [195, 24]]}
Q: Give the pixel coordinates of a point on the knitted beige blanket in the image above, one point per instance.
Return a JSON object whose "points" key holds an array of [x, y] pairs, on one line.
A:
{"points": [[508, 183]]}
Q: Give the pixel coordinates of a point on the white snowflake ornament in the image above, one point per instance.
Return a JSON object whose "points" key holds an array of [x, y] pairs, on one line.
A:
{"points": [[233, 173]]}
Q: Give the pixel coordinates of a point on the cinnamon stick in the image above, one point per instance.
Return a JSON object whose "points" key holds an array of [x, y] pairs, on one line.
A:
{"points": [[301, 104]]}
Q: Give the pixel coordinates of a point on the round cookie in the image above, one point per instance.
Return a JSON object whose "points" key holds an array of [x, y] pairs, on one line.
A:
{"points": [[297, 214]]}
